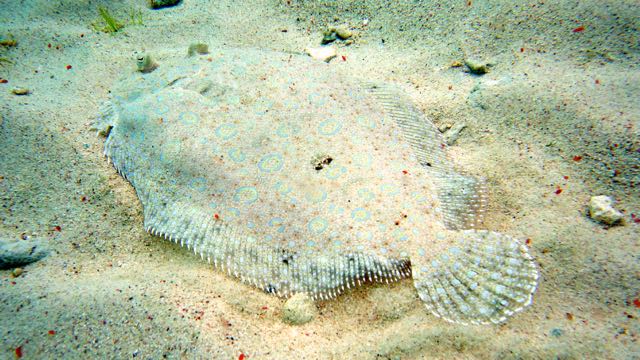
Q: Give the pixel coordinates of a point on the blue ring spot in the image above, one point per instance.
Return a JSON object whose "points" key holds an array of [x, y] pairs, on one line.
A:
{"points": [[237, 155], [282, 188], [277, 222], [315, 195], [198, 184], [360, 214], [286, 130], [400, 235], [189, 118], [317, 225], [366, 121], [226, 131], [271, 163], [246, 195], [329, 127], [366, 194], [230, 213], [334, 172]]}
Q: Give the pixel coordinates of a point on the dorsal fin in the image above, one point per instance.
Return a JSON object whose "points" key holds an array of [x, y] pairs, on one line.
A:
{"points": [[463, 197]]}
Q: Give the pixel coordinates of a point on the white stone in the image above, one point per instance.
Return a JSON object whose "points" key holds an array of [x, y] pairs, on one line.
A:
{"points": [[299, 309], [601, 210], [324, 53]]}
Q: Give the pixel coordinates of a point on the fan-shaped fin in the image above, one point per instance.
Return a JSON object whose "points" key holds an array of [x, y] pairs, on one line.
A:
{"points": [[485, 278]]}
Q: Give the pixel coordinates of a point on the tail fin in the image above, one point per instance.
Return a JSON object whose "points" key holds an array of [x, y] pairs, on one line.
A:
{"points": [[484, 278]]}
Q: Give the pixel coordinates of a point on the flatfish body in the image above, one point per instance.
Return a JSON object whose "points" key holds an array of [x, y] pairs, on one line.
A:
{"points": [[294, 178]]}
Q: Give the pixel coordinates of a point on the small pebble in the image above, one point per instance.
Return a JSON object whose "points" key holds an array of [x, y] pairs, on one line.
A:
{"points": [[17, 272], [299, 309], [601, 210], [20, 91], [477, 67], [324, 53], [328, 36], [343, 33], [332, 34], [157, 4]]}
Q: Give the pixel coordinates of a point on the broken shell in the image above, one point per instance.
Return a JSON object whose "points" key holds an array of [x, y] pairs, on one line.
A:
{"points": [[324, 53]]}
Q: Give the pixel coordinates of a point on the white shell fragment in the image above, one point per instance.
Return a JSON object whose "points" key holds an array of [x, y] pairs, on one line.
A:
{"points": [[601, 210], [322, 53]]}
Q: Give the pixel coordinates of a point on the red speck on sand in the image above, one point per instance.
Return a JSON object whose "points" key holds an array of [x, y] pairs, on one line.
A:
{"points": [[578, 29], [558, 191], [68, 67]]}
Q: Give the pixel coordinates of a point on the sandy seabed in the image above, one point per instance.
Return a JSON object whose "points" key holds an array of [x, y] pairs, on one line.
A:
{"points": [[558, 110]]}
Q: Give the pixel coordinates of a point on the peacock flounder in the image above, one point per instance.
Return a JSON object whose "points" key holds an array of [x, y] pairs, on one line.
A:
{"points": [[284, 173]]}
